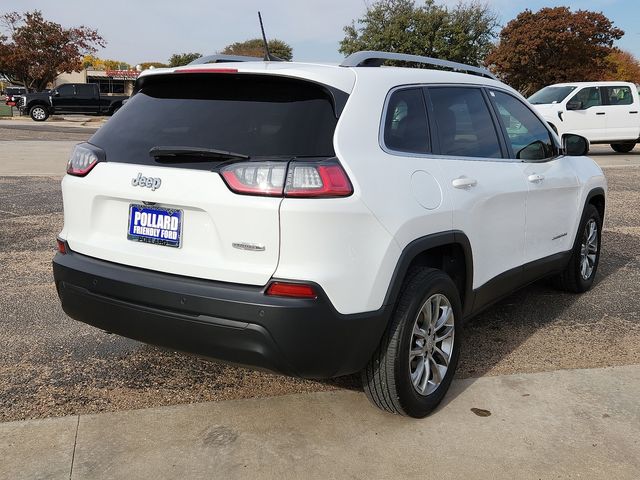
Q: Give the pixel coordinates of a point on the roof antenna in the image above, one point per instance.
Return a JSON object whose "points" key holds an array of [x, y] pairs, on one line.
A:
{"points": [[267, 54]]}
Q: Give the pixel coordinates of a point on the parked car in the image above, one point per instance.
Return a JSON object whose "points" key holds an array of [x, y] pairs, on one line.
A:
{"points": [[323, 220], [13, 95], [70, 98], [602, 112]]}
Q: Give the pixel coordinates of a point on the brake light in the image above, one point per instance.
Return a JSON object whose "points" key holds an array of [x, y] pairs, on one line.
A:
{"points": [[300, 179], [311, 180], [294, 290], [83, 158], [208, 70]]}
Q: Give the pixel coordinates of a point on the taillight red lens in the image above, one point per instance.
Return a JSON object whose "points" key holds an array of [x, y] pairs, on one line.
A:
{"points": [[82, 160], [300, 179], [311, 180], [295, 290], [256, 178]]}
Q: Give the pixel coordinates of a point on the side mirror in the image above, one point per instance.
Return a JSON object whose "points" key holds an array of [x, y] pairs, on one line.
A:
{"points": [[575, 145], [574, 105], [56, 93]]}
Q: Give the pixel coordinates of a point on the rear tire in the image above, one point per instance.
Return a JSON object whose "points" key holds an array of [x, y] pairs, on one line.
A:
{"points": [[579, 274], [38, 113], [412, 368], [623, 147]]}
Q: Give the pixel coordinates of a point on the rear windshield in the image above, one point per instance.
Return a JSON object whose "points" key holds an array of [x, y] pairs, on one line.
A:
{"points": [[254, 115], [550, 95]]}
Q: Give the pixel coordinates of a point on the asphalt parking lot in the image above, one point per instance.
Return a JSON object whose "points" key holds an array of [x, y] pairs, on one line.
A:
{"points": [[54, 366]]}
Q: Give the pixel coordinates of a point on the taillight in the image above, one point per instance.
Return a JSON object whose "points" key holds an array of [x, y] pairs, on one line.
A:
{"points": [[256, 178], [299, 179], [83, 158], [295, 290], [317, 180]]}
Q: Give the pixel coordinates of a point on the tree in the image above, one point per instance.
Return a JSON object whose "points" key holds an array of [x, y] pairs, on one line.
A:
{"points": [[179, 59], [625, 67], [34, 51], [91, 61], [462, 34], [255, 48], [553, 45], [146, 65]]}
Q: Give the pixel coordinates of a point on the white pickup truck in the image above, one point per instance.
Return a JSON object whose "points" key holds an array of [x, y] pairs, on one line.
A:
{"points": [[603, 112]]}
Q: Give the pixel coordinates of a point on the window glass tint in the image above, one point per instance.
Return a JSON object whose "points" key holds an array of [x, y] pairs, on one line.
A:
{"points": [[590, 97], [405, 126], [65, 89], [619, 95], [108, 85], [16, 91], [256, 115], [528, 136], [84, 91], [550, 95], [465, 126]]}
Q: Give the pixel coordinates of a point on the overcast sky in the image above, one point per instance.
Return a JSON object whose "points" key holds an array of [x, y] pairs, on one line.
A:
{"points": [[152, 30]]}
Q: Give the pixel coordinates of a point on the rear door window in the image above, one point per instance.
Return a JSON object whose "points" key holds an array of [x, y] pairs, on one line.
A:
{"points": [[465, 126], [405, 126], [618, 95], [255, 115], [85, 91]]}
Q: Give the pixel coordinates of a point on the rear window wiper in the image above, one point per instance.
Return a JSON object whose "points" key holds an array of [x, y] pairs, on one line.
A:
{"points": [[202, 153]]}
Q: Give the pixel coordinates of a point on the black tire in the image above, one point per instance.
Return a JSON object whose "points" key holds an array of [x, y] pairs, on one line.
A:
{"points": [[387, 378], [623, 147], [572, 278], [38, 113]]}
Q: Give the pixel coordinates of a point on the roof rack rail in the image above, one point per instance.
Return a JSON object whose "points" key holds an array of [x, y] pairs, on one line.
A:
{"points": [[370, 58], [217, 58]]}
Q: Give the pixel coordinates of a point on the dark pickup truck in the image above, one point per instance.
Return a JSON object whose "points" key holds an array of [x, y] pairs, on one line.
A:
{"points": [[70, 98]]}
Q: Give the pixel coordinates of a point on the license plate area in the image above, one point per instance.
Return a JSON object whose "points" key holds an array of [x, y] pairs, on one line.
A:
{"points": [[155, 225]]}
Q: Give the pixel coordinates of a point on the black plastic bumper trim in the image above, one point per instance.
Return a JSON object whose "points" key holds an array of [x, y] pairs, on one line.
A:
{"points": [[228, 322]]}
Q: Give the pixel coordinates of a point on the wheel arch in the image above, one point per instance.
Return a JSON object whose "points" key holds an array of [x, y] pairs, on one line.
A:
{"points": [[38, 103], [115, 106], [596, 197], [447, 251]]}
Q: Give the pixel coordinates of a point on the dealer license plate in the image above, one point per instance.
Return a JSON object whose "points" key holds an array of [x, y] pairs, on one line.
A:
{"points": [[160, 226]]}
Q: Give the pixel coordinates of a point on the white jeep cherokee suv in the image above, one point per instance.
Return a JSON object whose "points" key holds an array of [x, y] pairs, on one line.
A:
{"points": [[322, 220]]}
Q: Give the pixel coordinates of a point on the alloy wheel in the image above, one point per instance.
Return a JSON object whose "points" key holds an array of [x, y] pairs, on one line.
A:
{"points": [[589, 249], [431, 344]]}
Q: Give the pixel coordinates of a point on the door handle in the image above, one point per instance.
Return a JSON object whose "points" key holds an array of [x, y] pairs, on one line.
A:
{"points": [[633, 112], [464, 182], [535, 178], [599, 113]]}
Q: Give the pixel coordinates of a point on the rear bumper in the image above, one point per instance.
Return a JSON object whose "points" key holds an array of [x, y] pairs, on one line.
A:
{"points": [[227, 322]]}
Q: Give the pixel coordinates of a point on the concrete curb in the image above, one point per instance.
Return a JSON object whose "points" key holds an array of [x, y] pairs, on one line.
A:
{"points": [[563, 424]]}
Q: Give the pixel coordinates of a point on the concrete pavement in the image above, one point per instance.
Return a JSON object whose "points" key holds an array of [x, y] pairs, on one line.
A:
{"points": [[563, 424]]}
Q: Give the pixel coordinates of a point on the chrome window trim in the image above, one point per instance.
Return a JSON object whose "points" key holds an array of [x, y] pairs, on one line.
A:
{"points": [[398, 153]]}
